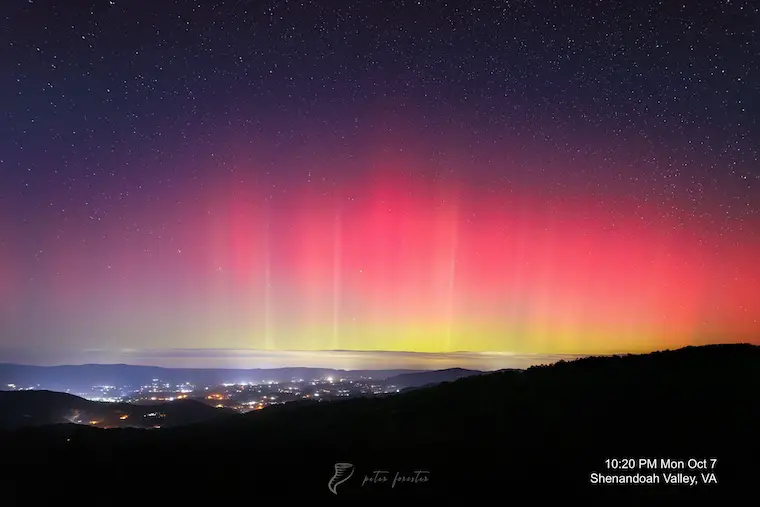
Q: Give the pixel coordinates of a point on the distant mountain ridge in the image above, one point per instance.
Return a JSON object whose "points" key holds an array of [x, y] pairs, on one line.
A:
{"points": [[420, 379], [61, 378]]}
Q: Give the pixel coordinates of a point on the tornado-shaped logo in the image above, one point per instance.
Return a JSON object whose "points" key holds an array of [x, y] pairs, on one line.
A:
{"points": [[343, 472]]}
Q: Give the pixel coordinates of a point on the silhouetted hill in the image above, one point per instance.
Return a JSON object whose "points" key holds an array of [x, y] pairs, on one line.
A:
{"points": [[542, 431], [37, 408], [80, 377], [425, 378]]}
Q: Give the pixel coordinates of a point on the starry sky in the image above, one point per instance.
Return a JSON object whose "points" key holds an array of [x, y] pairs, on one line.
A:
{"points": [[559, 177]]}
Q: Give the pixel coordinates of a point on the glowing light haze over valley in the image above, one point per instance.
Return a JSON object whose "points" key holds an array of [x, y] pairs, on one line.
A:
{"points": [[195, 209]]}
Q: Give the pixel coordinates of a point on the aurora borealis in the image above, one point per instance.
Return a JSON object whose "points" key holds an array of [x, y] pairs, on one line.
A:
{"points": [[304, 186]]}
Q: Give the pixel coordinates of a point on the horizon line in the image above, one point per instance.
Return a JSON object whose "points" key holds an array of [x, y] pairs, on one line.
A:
{"points": [[216, 353], [267, 359]]}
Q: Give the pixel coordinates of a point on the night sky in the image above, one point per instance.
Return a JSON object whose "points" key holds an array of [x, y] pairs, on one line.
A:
{"points": [[552, 177]]}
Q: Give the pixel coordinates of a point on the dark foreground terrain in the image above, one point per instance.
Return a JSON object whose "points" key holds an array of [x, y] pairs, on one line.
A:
{"points": [[542, 432]]}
